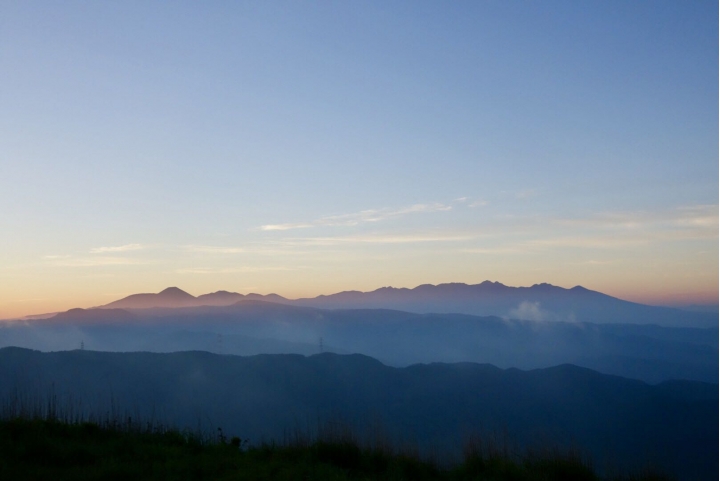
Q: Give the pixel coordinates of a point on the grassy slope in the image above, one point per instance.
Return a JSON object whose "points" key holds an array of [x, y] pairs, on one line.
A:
{"points": [[42, 449]]}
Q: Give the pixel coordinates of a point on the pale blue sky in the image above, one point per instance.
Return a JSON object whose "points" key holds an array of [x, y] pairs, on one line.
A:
{"points": [[146, 144]]}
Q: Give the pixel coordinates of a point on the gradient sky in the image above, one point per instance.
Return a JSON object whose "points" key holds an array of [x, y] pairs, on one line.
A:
{"points": [[311, 147]]}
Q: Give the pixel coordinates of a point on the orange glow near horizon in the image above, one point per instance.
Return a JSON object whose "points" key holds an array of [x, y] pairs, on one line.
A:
{"points": [[392, 153]]}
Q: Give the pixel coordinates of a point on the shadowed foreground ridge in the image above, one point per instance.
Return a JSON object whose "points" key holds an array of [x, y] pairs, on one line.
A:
{"points": [[52, 449], [619, 422]]}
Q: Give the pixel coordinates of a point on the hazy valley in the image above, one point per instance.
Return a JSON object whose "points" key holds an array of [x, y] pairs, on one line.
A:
{"points": [[173, 321]]}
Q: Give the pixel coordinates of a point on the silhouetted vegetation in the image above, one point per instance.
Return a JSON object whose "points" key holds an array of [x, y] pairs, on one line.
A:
{"points": [[49, 446]]}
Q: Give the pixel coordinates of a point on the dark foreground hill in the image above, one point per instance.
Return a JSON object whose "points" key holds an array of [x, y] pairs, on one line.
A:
{"points": [[620, 422]]}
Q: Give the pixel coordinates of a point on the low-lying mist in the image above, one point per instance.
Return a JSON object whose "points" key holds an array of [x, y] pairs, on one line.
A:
{"points": [[647, 352]]}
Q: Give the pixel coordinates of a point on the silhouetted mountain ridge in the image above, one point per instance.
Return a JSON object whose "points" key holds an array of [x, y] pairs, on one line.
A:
{"points": [[170, 297], [538, 302]]}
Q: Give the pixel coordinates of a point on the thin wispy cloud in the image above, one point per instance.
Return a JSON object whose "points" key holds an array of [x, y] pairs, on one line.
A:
{"points": [[596, 263], [621, 229], [285, 226], [605, 231], [496, 250], [365, 216], [377, 239], [99, 261], [696, 216], [123, 248], [214, 249], [380, 214], [590, 242], [538, 245], [264, 248], [231, 270]]}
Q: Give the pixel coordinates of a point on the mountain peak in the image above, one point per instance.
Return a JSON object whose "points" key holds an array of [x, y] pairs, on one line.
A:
{"points": [[174, 291], [170, 297]]}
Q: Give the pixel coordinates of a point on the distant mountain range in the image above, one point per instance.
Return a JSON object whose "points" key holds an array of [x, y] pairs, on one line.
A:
{"points": [[620, 422], [540, 302]]}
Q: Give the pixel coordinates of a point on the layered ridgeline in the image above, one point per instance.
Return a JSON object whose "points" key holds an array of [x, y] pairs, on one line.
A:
{"points": [[647, 352], [539, 302], [619, 422]]}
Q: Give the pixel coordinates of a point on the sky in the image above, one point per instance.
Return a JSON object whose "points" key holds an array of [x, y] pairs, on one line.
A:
{"points": [[306, 148]]}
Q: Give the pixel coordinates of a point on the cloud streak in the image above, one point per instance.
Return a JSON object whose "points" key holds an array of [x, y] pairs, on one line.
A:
{"points": [[264, 248], [365, 216], [378, 239], [123, 248], [695, 216], [230, 270], [495, 250], [605, 231], [214, 249], [98, 261], [290, 226]]}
